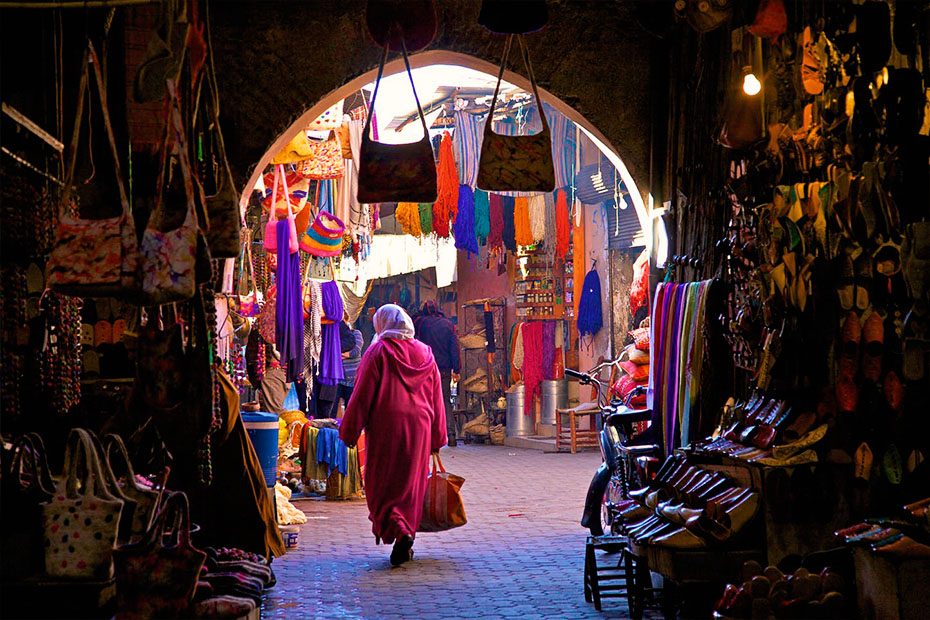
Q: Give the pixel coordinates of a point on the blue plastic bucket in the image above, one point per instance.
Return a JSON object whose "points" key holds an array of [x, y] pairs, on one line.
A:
{"points": [[263, 432]]}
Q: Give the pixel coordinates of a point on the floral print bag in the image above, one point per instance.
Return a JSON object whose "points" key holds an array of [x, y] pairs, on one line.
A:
{"points": [[396, 172], [516, 163], [99, 257], [169, 257]]}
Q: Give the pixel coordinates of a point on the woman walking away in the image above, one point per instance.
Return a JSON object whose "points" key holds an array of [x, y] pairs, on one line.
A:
{"points": [[398, 402]]}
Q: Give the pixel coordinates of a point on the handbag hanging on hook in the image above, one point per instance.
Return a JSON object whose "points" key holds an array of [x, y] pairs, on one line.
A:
{"points": [[516, 163], [401, 23], [271, 236]]}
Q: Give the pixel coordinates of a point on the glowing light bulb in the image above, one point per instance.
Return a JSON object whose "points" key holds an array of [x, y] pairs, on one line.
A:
{"points": [[751, 84]]}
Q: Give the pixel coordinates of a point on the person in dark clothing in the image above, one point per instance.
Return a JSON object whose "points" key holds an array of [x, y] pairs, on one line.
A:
{"points": [[435, 330]]}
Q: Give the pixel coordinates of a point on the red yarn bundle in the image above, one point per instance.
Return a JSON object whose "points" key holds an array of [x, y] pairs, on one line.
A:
{"points": [[563, 228]]}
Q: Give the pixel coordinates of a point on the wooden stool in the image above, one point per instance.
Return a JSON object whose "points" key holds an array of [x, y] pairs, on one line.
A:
{"points": [[610, 581], [570, 433]]}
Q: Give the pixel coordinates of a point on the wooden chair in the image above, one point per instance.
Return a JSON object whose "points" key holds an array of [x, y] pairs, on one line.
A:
{"points": [[567, 430]]}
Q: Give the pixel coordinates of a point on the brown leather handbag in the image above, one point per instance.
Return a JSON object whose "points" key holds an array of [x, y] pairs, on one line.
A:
{"points": [[396, 172], [516, 163]]}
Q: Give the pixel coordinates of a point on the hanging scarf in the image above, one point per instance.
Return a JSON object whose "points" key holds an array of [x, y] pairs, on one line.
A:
{"points": [[331, 354], [289, 314], [590, 319], [408, 215], [537, 209], [495, 223], [521, 221], [563, 228], [447, 188], [426, 218], [482, 215], [466, 145], [464, 228], [549, 246], [548, 349], [532, 363], [507, 206]]}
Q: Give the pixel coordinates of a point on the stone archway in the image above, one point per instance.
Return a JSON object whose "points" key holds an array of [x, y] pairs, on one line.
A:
{"points": [[444, 57], [277, 60]]}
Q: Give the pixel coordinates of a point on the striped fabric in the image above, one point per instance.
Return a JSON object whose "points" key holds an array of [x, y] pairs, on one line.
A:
{"points": [[466, 146], [563, 146]]}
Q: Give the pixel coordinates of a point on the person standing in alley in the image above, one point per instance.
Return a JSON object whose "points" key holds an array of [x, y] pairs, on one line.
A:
{"points": [[436, 331], [398, 402]]}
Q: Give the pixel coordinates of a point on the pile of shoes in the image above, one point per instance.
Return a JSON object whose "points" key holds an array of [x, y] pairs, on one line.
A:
{"points": [[686, 507], [771, 594], [231, 583], [906, 537], [763, 429]]}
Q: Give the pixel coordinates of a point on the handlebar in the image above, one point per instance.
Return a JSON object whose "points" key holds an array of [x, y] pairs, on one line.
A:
{"points": [[590, 378]]}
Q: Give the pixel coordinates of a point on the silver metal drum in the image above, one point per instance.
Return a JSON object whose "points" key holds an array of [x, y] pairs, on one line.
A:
{"points": [[518, 424]]}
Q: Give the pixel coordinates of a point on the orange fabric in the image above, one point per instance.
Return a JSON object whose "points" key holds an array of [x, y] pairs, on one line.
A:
{"points": [[447, 185], [523, 230], [579, 273]]}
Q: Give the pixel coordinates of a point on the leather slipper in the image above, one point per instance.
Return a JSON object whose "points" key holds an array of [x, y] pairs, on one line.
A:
{"points": [[403, 550], [893, 390], [863, 462], [849, 354], [892, 465], [873, 334], [847, 395]]}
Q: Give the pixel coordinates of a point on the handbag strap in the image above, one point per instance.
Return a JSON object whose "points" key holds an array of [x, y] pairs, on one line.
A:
{"points": [[279, 173], [174, 125], [529, 71], [81, 450], [176, 508], [374, 95], [90, 58], [23, 449], [437, 461], [115, 441]]}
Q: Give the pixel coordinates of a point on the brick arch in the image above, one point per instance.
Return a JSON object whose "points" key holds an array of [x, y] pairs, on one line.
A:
{"points": [[281, 63]]}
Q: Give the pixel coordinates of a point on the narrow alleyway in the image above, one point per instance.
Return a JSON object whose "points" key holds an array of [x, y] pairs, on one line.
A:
{"points": [[520, 555]]}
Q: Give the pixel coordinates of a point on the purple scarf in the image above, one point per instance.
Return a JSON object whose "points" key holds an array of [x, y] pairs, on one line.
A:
{"points": [[331, 355], [548, 348], [289, 318]]}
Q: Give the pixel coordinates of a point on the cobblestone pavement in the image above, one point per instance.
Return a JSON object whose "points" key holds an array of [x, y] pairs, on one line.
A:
{"points": [[520, 555]]}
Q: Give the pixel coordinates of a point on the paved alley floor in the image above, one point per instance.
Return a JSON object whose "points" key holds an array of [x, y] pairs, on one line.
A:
{"points": [[520, 555]]}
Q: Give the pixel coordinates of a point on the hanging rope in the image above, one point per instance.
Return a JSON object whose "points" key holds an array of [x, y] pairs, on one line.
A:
{"points": [[464, 228], [447, 186]]}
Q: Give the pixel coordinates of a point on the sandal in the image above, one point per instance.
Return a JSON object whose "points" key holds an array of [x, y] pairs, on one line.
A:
{"points": [[849, 356], [873, 334]]}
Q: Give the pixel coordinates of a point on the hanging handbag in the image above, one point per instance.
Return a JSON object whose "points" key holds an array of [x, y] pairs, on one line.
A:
{"points": [[330, 119], [513, 16], [223, 213], [247, 303], [324, 237], [396, 172], [516, 163], [294, 198], [396, 23], [742, 125], [25, 484], [81, 521], [124, 532], [93, 258], [155, 579], [325, 162], [271, 233], [145, 499], [169, 257], [442, 505], [297, 150]]}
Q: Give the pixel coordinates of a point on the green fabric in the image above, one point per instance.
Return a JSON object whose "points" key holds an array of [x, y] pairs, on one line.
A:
{"points": [[426, 217]]}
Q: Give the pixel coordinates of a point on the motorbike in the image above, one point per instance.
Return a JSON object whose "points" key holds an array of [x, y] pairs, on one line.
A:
{"points": [[618, 473]]}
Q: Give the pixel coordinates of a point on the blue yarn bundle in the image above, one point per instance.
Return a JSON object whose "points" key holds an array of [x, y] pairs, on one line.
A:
{"points": [[464, 227], [590, 319]]}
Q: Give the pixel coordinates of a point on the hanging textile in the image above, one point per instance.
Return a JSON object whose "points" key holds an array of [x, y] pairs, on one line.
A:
{"points": [[464, 227], [359, 214], [489, 328], [549, 246], [521, 221], [466, 146], [516, 348], [532, 363], [426, 218], [288, 307], [496, 223], [548, 349], [482, 215], [590, 318], [563, 146], [507, 208], [563, 228], [447, 186], [331, 353], [537, 214], [326, 200], [353, 303], [639, 290], [407, 215]]}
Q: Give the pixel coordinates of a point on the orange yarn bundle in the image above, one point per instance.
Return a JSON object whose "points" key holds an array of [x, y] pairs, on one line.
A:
{"points": [[408, 215], [523, 231], [563, 228], [447, 184]]}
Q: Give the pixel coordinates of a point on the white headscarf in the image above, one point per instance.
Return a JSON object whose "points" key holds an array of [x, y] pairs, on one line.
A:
{"points": [[391, 321]]}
